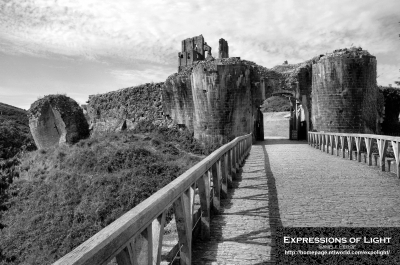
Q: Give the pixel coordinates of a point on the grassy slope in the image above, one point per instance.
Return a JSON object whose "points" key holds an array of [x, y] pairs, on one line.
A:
{"points": [[14, 131], [275, 104], [67, 194]]}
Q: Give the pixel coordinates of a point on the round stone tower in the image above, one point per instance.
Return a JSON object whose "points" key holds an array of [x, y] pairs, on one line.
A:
{"points": [[222, 99], [344, 92]]}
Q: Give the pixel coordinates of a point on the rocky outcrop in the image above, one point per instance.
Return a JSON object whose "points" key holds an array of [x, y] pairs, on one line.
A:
{"points": [[124, 109], [57, 119]]}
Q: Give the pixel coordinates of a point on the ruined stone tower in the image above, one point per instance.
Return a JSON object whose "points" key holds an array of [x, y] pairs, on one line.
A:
{"points": [[223, 50], [193, 49], [217, 99], [57, 119], [344, 92], [223, 101]]}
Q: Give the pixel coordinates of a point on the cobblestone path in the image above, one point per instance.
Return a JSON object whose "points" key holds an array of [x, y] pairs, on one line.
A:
{"points": [[290, 183]]}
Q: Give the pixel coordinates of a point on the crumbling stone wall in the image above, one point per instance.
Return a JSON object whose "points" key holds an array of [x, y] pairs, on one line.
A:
{"points": [[125, 108], [177, 99], [56, 119], [344, 92]]}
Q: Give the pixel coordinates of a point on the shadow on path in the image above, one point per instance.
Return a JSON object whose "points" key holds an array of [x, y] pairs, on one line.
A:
{"points": [[273, 203], [249, 218]]}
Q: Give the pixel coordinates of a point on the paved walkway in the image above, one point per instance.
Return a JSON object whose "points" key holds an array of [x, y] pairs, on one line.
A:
{"points": [[290, 183]]}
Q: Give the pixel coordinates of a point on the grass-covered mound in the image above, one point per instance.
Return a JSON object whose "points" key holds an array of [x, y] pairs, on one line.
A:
{"points": [[276, 104], [67, 194]]}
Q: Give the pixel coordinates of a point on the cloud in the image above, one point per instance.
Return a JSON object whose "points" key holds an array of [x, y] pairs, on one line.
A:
{"points": [[387, 74], [130, 77], [152, 30], [139, 40]]}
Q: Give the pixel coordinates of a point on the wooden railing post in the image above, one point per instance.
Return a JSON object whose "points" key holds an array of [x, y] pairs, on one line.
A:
{"points": [[331, 141], [232, 169], [396, 149], [158, 233], [316, 142], [126, 256], [382, 146], [358, 145], [240, 153], [236, 160], [227, 170], [221, 172], [183, 218], [216, 177], [244, 147], [204, 193], [321, 141], [342, 139], [350, 146], [139, 251], [233, 164], [337, 144], [368, 145], [327, 143]]}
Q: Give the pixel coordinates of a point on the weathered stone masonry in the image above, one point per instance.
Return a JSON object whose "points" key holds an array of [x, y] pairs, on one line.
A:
{"points": [[125, 108], [344, 92], [57, 119], [219, 99]]}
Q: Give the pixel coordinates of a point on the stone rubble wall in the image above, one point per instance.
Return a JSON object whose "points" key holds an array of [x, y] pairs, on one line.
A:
{"points": [[125, 108]]}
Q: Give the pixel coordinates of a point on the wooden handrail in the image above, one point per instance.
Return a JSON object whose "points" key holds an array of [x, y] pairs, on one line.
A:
{"points": [[328, 141], [136, 237]]}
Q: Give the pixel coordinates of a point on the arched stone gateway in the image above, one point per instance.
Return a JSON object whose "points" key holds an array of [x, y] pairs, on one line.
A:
{"points": [[57, 119]]}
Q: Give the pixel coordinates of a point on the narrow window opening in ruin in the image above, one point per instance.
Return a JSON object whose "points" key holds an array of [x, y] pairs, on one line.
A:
{"points": [[188, 56]]}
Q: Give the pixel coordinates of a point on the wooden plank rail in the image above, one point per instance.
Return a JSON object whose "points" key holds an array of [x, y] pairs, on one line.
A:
{"points": [[320, 140], [136, 237]]}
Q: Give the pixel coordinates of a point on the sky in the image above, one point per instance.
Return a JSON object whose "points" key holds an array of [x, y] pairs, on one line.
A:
{"points": [[85, 47]]}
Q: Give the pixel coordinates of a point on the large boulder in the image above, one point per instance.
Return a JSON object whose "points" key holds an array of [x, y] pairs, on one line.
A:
{"points": [[57, 119]]}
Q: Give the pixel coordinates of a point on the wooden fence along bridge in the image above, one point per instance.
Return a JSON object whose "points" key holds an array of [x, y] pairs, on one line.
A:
{"points": [[282, 183]]}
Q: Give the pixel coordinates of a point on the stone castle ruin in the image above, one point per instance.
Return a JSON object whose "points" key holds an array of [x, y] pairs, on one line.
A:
{"points": [[219, 98], [57, 119]]}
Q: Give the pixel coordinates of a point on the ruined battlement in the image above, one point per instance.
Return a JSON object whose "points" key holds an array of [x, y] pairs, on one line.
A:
{"points": [[194, 50], [223, 50]]}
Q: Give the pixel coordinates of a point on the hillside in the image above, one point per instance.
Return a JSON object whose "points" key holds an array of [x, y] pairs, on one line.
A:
{"points": [[67, 194], [14, 138], [14, 131]]}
